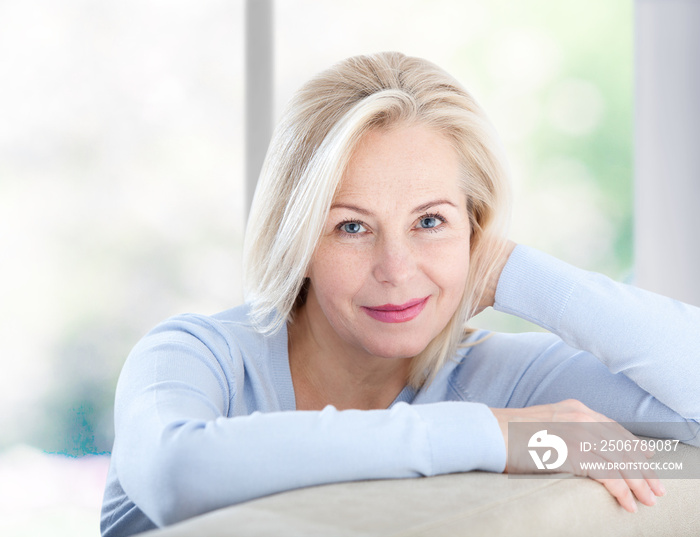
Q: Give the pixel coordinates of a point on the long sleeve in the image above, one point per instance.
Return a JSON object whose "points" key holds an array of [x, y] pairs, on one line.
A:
{"points": [[181, 451], [205, 417], [628, 353]]}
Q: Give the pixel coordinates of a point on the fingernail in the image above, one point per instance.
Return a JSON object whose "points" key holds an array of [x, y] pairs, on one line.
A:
{"points": [[662, 489]]}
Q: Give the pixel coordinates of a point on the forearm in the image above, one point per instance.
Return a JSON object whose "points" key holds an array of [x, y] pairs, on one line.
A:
{"points": [[651, 339], [191, 467]]}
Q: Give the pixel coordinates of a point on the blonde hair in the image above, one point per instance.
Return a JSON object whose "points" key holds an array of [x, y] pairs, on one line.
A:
{"points": [[307, 158]]}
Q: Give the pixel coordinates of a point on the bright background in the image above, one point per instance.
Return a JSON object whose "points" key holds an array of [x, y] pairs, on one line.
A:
{"points": [[121, 181]]}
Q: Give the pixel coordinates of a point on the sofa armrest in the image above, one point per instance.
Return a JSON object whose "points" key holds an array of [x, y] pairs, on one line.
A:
{"points": [[475, 503]]}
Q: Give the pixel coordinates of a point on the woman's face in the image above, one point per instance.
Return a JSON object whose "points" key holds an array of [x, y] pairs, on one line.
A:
{"points": [[392, 263]]}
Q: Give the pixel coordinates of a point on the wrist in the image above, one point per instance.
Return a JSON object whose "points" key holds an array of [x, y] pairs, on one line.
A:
{"points": [[489, 297]]}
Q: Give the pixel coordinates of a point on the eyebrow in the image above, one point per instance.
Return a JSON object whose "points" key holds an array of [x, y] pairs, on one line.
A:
{"points": [[419, 209], [434, 203]]}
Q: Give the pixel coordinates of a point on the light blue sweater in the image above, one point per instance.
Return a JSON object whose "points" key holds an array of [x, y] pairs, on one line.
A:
{"points": [[205, 409]]}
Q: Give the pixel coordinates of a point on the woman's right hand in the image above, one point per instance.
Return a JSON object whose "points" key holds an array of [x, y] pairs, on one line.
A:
{"points": [[504, 248], [624, 485]]}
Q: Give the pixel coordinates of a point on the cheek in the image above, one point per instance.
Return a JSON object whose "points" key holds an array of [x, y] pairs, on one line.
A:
{"points": [[448, 264], [337, 272]]}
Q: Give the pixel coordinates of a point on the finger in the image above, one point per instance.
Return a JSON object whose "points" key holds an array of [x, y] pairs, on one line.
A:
{"points": [[621, 492], [642, 491], [654, 483], [640, 479], [657, 486]]}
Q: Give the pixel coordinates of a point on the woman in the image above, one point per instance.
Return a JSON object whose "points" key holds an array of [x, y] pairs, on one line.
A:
{"points": [[375, 234]]}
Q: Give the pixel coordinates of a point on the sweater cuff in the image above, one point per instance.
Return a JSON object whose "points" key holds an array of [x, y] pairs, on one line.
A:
{"points": [[463, 437], [536, 287]]}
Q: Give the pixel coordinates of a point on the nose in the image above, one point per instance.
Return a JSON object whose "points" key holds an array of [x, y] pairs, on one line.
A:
{"points": [[394, 261]]}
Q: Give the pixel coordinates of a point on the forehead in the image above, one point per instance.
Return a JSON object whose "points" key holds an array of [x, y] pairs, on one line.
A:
{"points": [[411, 160]]}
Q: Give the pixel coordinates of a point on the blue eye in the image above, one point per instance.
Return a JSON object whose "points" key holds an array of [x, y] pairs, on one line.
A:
{"points": [[428, 222], [352, 228]]}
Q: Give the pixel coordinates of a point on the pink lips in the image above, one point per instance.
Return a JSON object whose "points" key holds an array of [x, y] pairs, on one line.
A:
{"points": [[390, 313]]}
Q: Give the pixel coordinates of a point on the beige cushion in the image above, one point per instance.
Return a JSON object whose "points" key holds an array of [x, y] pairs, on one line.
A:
{"points": [[475, 503]]}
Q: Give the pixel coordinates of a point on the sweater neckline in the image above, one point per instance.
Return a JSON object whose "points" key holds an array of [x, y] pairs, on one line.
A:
{"points": [[281, 372]]}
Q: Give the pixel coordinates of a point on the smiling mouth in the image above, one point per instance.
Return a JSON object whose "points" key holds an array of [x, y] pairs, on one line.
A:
{"points": [[390, 313]]}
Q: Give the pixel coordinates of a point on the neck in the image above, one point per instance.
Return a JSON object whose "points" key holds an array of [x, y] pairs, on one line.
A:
{"points": [[327, 373]]}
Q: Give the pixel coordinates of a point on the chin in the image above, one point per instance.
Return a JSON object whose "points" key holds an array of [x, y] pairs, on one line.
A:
{"points": [[399, 348]]}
